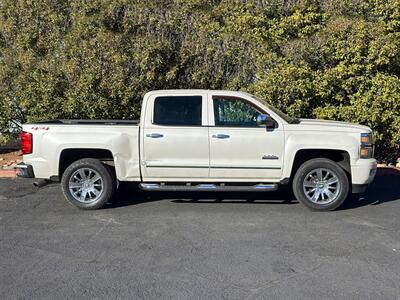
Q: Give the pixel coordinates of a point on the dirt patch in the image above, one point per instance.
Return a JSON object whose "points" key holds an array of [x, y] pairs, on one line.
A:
{"points": [[8, 159]]}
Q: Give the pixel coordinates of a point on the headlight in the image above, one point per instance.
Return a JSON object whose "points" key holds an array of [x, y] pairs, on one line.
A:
{"points": [[366, 145], [366, 138]]}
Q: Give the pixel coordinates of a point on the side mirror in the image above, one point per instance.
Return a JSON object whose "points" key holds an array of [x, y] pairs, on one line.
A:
{"points": [[265, 120]]}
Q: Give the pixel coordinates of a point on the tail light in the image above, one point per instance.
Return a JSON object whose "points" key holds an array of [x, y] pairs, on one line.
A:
{"points": [[26, 142]]}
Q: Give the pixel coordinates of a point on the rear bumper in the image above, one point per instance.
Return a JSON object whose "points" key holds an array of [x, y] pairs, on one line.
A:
{"points": [[25, 171]]}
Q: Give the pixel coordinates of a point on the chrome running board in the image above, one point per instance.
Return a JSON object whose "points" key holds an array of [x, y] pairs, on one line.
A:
{"points": [[209, 187]]}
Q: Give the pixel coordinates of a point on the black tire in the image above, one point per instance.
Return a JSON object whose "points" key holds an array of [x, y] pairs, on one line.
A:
{"points": [[326, 164], [108, 183]]}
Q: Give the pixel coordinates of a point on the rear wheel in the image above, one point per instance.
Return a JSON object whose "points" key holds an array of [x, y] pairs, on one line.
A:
{"points": [[321, 184], [88, 184]]}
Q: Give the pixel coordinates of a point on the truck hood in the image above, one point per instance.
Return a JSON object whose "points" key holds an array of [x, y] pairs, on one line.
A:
{"points": [[334, 125]]}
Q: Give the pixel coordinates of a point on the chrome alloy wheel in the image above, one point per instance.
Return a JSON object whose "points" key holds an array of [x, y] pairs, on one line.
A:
{"points": [[321, 186], [86, 185]]}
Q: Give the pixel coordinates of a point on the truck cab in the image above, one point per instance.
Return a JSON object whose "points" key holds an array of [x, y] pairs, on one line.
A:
{"points": [[212, 136], [202, 140]]}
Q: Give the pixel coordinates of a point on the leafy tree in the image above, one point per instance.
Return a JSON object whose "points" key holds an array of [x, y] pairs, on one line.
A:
{"points": [[95, 59]]}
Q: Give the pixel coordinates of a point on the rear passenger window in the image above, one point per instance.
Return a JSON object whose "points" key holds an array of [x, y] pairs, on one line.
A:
{"points": [[177, 110]]}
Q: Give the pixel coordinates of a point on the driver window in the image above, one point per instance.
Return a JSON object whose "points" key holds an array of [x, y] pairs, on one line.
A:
{"points": [[234, 112]]}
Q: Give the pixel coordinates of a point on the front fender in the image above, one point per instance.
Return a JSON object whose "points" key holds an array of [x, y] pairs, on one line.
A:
{"points": [[315, 141]]}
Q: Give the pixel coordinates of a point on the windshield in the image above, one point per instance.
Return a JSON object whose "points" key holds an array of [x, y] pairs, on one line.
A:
{"points": [[281, 114], [284, 116]]}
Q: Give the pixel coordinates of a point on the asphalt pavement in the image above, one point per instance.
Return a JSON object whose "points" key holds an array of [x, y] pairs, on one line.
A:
{"points": [[198, 246]]}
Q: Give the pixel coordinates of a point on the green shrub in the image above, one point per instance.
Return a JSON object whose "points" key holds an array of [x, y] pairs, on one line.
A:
{"points": [[334, 59]]}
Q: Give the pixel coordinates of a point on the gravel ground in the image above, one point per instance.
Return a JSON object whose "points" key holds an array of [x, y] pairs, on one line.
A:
{"points": [[9, 159]]}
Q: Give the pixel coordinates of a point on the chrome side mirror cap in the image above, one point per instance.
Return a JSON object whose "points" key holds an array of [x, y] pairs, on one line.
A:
{"points": [[265, 121], [261, 120]]}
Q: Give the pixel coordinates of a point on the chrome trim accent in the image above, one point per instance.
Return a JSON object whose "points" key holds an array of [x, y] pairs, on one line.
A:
{"points": [[206, 186], [25, 171], [270, 157], [209, 187], [220, 136], [21, 167], [86, 185], [212, 167], [166, 166], [264, 186], [229, 167], [261, 120], [149, 186], [155, 135], [321, 186]]}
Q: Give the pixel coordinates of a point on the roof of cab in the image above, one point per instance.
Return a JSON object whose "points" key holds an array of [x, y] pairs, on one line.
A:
{"points": [[191, 91]]}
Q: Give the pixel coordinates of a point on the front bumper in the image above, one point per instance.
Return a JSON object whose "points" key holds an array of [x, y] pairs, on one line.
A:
{"points": [[359, 188], [25, 171], [362, 174]]}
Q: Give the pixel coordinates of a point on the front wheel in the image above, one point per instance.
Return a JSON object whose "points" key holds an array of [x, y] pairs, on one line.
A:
{"points": [[321, 184], [88, 184]]}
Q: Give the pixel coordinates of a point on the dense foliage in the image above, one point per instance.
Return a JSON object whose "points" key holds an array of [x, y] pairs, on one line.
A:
{"points": [[335, 59]]}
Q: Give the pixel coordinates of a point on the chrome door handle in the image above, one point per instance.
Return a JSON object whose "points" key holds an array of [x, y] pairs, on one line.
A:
{"points": [[154, 135], [220, 136]]}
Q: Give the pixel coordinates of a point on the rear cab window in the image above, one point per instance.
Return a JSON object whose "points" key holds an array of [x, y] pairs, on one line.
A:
{"points": [[178, 111]]}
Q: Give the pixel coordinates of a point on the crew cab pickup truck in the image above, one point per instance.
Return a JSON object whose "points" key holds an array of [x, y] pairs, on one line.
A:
{"points": [[201, 140]]}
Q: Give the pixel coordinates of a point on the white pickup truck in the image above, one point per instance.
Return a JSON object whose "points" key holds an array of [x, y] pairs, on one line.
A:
{"points": [[201, 140]]}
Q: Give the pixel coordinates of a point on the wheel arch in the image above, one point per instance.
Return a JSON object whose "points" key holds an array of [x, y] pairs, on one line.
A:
{"points": [[70, 155], [341, 157]]}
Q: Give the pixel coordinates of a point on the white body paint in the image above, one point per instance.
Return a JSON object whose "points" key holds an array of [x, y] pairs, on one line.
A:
{"points": [[190, 154]]}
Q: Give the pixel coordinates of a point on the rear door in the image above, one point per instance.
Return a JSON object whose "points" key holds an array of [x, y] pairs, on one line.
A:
{"points": [[175, 138]]}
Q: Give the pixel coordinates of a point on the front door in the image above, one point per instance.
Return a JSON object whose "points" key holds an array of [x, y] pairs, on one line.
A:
{"points": [[239, 148], [175, 142]]}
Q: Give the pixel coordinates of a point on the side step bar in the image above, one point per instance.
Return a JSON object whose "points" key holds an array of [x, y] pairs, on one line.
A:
{"points": [[209, 187]]}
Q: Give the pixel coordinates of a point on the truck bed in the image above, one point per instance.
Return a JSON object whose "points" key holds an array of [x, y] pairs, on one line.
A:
{"points": [[53, 139]]}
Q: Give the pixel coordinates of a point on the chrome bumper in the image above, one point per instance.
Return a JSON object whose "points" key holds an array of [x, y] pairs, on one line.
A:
{"points": [[24, 171]]}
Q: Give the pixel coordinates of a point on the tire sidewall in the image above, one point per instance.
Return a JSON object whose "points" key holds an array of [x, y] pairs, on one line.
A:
{"points": [[310, 165], [103, 171]]}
